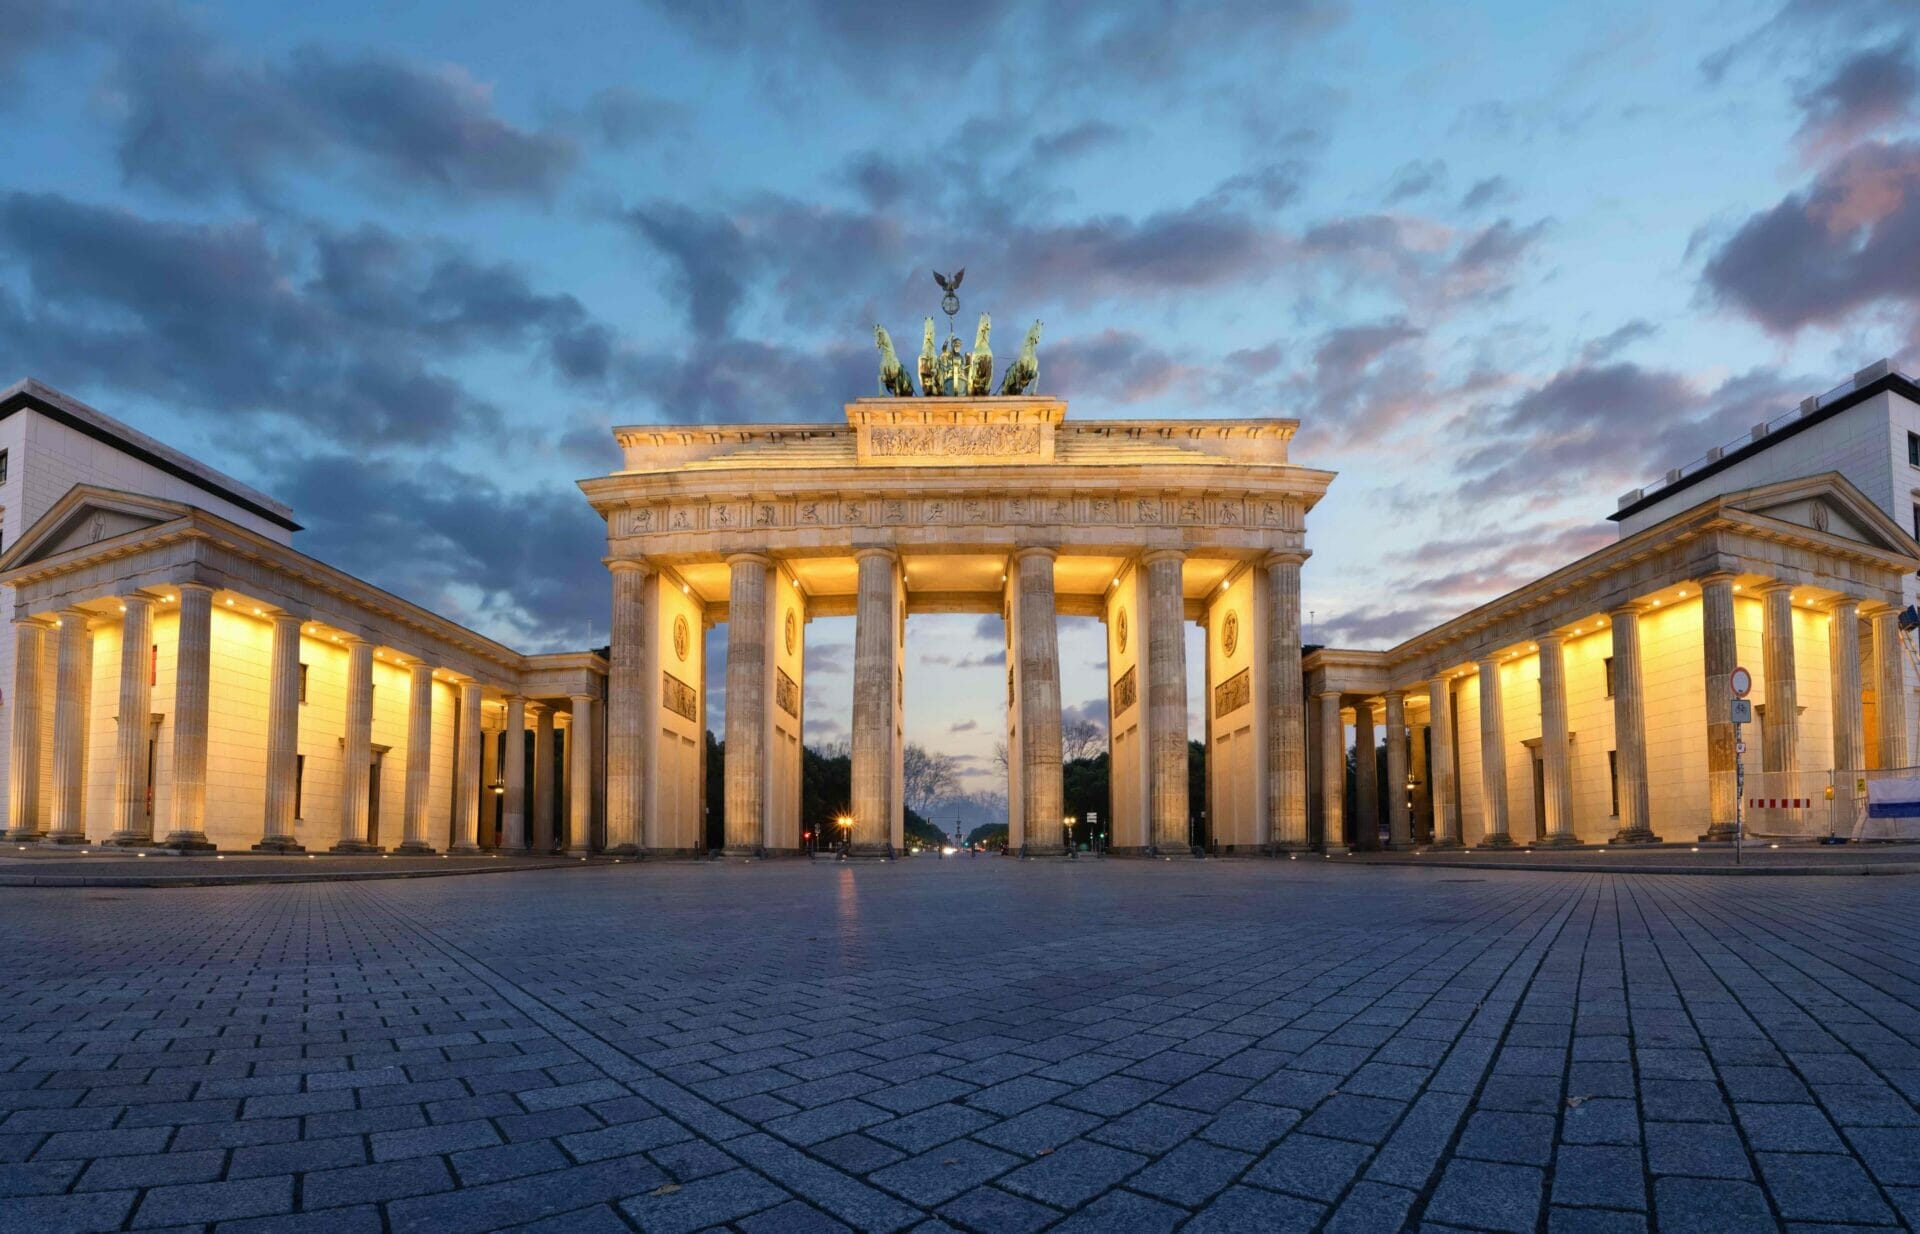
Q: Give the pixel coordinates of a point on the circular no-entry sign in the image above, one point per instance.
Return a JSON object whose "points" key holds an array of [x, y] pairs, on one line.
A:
{"points": [[1742, 682]]}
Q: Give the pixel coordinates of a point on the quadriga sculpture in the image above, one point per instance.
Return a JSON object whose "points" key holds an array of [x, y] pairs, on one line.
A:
{"points": [[893, 378], [1025, 369]]}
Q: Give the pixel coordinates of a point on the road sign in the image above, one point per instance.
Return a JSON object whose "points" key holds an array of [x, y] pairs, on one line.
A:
{"points": [[1093, 817], [1742, 711], [1742, 682], [1739, 747]]}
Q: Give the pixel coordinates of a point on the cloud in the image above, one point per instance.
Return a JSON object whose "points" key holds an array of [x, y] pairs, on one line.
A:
{"points": [[1416, 179], [339, 331], [196, 120], [1870, 90], [621, 118], [1425, 263], [963, 726], [28, 27], [1491, 191], [1850, 241], [1114, 366]]}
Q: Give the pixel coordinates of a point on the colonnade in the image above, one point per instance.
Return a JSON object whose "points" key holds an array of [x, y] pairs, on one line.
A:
{"points": [[132, 806], [1780, 753]]}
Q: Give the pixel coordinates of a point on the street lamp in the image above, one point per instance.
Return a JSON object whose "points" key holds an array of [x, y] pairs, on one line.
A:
{"points": [[1069, 820], [845, 823]]}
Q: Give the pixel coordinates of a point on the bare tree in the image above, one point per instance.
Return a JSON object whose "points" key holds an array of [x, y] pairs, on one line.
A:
{"points": [[929, 777], [1001, 760], [1082, 739]]}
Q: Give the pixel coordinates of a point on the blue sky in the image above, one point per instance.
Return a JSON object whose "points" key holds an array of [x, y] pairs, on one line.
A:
{"points": [[403, 266]]}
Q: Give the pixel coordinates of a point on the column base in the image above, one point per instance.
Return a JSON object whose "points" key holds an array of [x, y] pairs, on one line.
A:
{"points": [[416, 848], [1719, 833], [188, 842], [1497, 840], [1637, 836], [1038, 850], [279, 844], [64, 838], [730, 853], [131, 839], [1567, 840], [580, 853], [22, 835], [355, 846], [619, 850], [468, 849], [686, 854], [1448, 842]]}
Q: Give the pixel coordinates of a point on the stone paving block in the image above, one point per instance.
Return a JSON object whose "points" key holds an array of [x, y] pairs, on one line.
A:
{"points": [[1073, 1174], [1191, 1173], [1601, 1176], [989, 1208], [1488, 1196], [1040, 1128], [937, 1175], [1501, 1135], [920, 1131], [1594, 1221], [1310, 1166], [1710, 1206], [1123, 1210], [196, 1203], [710, 1201], [1369, 1208], [1822, 1187], [67, 1214], [1702, 1150], [1151, 1129], [1349, 1116], [1248, 1208]]}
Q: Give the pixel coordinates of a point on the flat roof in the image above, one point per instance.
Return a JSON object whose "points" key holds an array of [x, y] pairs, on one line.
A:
{"points": [[38, 396]]}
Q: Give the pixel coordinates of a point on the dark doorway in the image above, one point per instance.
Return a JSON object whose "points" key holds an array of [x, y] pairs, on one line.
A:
{"points": [[1539, 794]]}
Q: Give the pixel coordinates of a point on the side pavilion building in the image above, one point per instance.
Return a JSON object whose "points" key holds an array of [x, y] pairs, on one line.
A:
{"points": [[958, 505]]}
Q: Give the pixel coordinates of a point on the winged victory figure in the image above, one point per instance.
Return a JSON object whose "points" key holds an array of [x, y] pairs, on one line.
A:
{"points": [[1025, 369]]}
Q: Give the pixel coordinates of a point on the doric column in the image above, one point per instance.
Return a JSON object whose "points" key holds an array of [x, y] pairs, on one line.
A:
{"points": [[1890, 689], [1843, 646], [23, 767], [1556, 759], [132, 824], [1446, 798], [356, 753], [1286, 706], [514, 775], [192, 696], [1719, 653], [873, 687], [1366, 778], [1630, 729], [1399, 817], [1781, 731], [414, 838], [283, 735], [1493, 758], [1167, 701], [543, 838], [746, 767], [1333, 775], [1042, 793], [627, 744], [73, 693], [580, 776], [466, 771]]}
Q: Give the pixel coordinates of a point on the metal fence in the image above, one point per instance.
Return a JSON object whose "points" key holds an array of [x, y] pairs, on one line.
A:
{"points": [[1849, 815], [1781, 805]]}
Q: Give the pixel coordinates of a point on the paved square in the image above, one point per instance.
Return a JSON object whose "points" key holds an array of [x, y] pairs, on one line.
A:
{"points": [[971, 1044]]}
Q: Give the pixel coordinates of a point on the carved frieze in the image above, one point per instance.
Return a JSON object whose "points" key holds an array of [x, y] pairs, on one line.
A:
{"points": [[678, 697], [954, 441], [1232, 694], [1125, 693], [786, 693]]}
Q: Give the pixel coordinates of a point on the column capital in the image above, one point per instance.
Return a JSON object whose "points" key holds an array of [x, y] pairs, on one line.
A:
{"points": [[1878, 608], [584, 698], [192, 585], [1389, 695], [1551, 638], [1631, 608], [748, 556], [1487, 664], [1286, 557], [1162, 554], [1718, 576], [1035, 550], [135, 597], [1768, 587], [861, 554], [628, 565], [1839, 602], [38, 622]]}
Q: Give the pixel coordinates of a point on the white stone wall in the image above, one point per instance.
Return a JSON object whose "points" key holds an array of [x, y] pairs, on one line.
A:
{"points": [[1128, 783], [1237, 745], [675, 815], [783, 745]]}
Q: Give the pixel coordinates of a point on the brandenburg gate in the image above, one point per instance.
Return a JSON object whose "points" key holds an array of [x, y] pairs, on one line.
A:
{"points": [[969, 504]]}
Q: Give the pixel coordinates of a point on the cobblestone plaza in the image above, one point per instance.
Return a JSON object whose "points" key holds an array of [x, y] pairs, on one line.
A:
{"points": [[970, 1044]]}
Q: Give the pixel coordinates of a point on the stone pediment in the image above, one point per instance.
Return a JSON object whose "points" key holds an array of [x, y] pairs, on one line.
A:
{"points": [[87, 516], [1827, 504]]}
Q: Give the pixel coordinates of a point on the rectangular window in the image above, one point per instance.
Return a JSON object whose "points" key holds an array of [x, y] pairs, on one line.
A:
{"points": [[153, 666], [1913, 450], [1608, 663], [3, 466], [1613, 779], [303, 683], [299, 781], [1916, 518]]}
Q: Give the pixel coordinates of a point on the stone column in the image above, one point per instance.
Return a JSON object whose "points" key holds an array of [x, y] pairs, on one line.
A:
{"points": [[131, 822], [283, 735], [73, 693], [192, 699], [1399, 814], [1556, 758], [1423, 784], [23, 767], [873, 686], [1719, 654], [1366, 778], [746, 736], [1493, 758], [1843, 644], [356, 753], [1286, 706], [1042, 793], [1890, 689], [1782, 728], [627, 744], [1333, 775], [414, 838], [514, 774], [1445, 792], [1630, 730], [543, 838], [580, 775], [466, 771], [1167, 701]]}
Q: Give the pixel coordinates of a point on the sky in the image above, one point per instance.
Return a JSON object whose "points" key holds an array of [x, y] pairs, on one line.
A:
{"points": [[403, 265]]}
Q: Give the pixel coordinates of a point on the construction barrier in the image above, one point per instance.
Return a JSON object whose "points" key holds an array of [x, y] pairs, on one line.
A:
{"points": [[1880, 804], [1781, 805]]}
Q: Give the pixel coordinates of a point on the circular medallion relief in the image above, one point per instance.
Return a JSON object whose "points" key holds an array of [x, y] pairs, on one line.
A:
{"points": [[680, 637], [1230, 632], [793, 632], [1120, 628]]}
